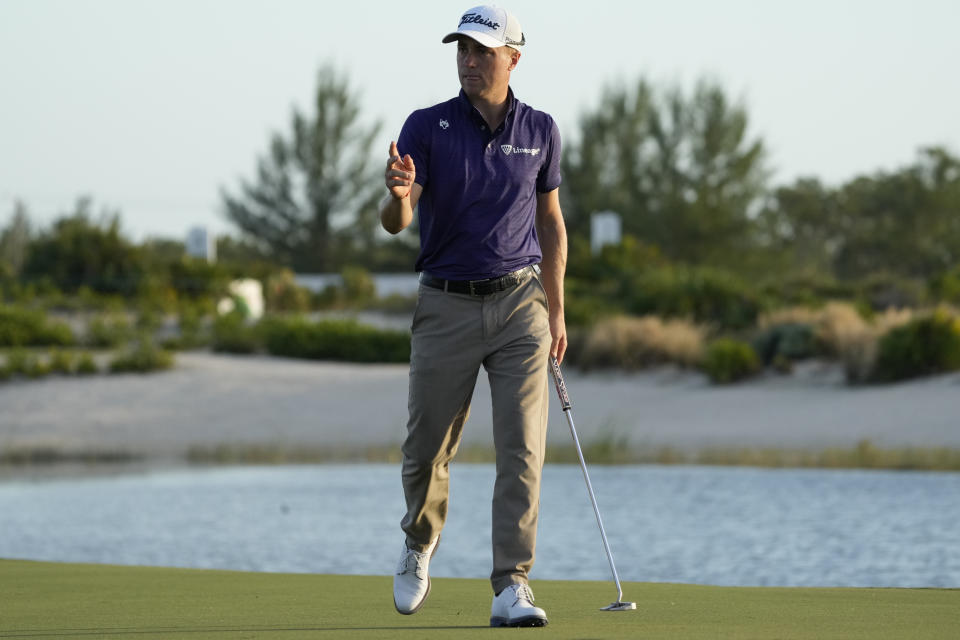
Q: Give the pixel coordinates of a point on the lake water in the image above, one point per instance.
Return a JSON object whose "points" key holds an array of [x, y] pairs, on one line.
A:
{"points": [[706, 525]]}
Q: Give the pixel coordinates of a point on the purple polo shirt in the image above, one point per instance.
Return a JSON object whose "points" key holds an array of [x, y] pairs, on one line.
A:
{"points": [[479, 200]]}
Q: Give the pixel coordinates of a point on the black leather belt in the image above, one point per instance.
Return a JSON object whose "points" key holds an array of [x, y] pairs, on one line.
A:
{"points": [[479, 287]]}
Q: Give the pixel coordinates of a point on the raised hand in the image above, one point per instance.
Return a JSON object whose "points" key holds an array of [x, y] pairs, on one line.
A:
{"points": [[400, 173]]}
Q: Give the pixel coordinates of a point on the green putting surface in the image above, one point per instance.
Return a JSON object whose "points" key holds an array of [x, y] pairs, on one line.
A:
{"points": [[48, 600]]}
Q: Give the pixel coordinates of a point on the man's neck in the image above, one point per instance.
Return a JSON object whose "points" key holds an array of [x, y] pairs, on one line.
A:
{"points": [[494, 111]]}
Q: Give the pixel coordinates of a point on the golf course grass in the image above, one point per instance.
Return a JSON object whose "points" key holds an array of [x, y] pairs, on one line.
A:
{"points": [[49, 600]]}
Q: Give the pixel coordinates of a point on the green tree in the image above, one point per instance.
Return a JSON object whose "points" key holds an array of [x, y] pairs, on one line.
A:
{"points": [[314, 186], [162, 251], [15, 241], [895, 225], [605, 167], [680, 169], [802, 225], [79, 252], [906, 222]]}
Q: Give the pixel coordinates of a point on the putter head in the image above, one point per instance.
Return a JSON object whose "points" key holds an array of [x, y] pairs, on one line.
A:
{"points": [[620, 606]]}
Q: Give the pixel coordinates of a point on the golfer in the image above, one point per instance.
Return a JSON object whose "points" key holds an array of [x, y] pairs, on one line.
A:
{"points": [[484, 169]]}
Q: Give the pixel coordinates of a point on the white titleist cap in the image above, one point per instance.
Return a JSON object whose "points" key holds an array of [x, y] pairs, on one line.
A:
{"points": [[489, 25]]}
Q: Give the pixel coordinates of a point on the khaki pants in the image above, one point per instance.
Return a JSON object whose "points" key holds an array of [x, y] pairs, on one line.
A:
{"points": [[453, 334]]}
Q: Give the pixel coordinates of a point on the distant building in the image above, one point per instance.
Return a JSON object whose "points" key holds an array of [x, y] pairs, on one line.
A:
{"points": [[201, 244], [604, 229]]}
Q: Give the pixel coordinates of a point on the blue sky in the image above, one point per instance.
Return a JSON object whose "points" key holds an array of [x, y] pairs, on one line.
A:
{"points": [[152, 106]]}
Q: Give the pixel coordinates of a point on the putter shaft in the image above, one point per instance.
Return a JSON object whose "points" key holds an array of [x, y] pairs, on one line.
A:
{"points": [[565, 403]]}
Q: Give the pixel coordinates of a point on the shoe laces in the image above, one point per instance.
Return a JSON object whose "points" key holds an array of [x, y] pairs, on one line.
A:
{"points": [[523, 592], [414, 561]]}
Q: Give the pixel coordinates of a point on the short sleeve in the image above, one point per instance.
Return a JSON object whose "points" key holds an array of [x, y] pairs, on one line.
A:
{"points": [[415, 140], [549, 178]]}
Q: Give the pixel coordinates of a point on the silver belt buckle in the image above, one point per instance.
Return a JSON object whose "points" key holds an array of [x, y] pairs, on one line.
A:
{"points": [[472, 292]]}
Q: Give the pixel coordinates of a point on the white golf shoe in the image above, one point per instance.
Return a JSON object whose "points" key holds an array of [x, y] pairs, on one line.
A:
{"points": [[411, 583], [514, 608]]}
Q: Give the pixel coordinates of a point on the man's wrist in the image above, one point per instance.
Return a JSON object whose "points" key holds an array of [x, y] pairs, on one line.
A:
{"points": [[395, 197]]}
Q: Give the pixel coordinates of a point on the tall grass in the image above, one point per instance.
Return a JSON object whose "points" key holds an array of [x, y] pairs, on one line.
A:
{"points": [[609, 448], [857, 347], [842, 333], [634, 343]]}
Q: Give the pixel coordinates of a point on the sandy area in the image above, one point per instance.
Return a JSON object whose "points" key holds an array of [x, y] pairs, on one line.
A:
{"points": [[214, 399]]}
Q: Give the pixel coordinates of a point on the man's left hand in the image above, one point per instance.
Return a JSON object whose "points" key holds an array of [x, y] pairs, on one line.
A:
{"points": [[558, 333]]}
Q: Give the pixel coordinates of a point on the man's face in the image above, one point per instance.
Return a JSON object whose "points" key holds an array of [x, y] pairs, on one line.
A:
{"points": [[484, 72]]}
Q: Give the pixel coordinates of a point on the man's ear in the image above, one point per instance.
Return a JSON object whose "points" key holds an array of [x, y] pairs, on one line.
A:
{"points": [[514, 59]]}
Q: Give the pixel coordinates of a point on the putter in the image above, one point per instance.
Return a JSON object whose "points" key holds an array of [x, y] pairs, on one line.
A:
{"points": [[619, 605]]}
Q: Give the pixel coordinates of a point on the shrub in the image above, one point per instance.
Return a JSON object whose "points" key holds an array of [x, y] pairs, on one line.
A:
{"points": [[155, 293], [191, 330], [882, 291], [356, 288], [358, 284], [86, 365], [395, 303], [344, 340], [142, 357], [785, 343], [60, 362], [706, 295], [197, 278], [149, 316], [18, 362], [232, 334], [284, 294], [330, 297], [946, 286], [856, 344], [108, 331], [809, 289], [728, 360], [633, 343], [589, 301], [36, 367], [839, 331], [78, 251], [831, 325], [21, 327], [24, 363], [924, 346]]}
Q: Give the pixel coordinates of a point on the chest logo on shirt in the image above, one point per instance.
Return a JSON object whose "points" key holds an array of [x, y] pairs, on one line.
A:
{"points": [[508, 149], [444, 124]]}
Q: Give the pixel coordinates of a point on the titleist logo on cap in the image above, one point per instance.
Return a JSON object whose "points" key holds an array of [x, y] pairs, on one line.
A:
{"points": [[490, 26], [476, 18]]}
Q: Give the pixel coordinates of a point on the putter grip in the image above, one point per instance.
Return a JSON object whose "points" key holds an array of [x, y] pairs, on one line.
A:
{"points": [[559, 383]]}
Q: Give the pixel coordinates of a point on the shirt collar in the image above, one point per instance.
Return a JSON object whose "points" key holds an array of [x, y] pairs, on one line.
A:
{"points": [[512, 103]]}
